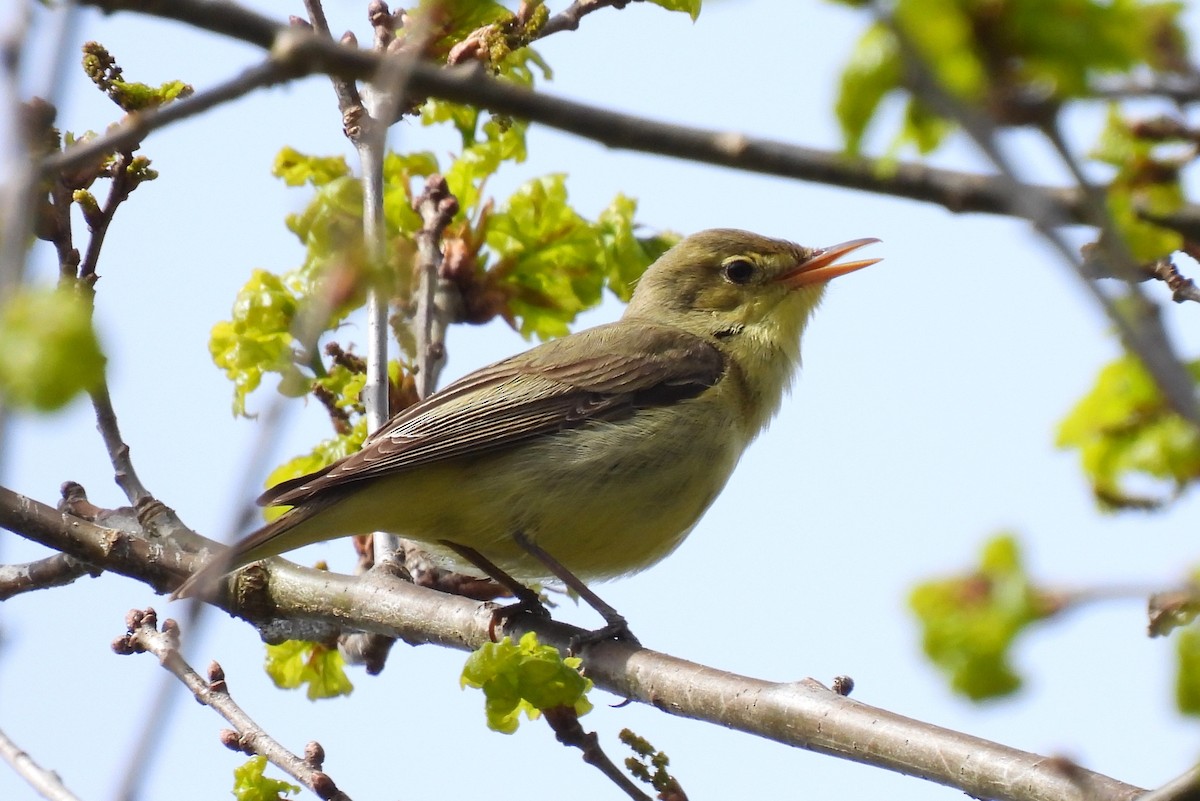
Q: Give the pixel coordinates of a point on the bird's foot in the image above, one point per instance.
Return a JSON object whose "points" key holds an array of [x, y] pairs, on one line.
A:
{"points": [[528, 603], [616, 628]]}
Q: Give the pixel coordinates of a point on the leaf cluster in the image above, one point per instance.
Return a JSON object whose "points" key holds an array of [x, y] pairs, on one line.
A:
{"points": [[50, 350], [249, 783], [530, 259], [525, 677], [1020, 59], [1125, 432], [970, 622], [321, 670]]}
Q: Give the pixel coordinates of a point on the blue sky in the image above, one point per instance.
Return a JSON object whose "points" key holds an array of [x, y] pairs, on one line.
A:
{"points": [[922, 423]]}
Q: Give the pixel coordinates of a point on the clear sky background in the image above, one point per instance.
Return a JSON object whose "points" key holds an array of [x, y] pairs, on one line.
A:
{"points": [[922, 423]]}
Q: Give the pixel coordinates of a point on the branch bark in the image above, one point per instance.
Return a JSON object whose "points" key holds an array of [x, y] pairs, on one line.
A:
{"points": [[801, 714], [296, 52]]}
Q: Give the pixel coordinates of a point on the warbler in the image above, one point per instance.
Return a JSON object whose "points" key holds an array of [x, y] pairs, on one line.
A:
{"points": [[601, 449]]}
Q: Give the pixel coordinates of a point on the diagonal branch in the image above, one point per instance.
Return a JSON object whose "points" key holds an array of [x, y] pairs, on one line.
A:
{"points": [[45, 782], [297, 52], [801, 714], [249, 737], [53, 571], [1140, 328]]}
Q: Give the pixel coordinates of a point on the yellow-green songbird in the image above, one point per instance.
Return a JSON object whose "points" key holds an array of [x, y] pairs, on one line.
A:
{"points": [[602, 448]]}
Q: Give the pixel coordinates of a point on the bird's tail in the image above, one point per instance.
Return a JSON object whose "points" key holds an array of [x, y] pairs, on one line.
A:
{"points": [[270, 540]]}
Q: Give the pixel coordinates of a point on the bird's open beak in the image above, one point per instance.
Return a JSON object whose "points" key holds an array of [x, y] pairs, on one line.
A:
{"points": [[823, 265]]}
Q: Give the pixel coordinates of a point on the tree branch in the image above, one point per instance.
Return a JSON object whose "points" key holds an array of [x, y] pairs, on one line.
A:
{"points": [[568, 19], [53, 571], [802, 714], [297, 52], [45, 782], [1138, 323], [248, 737]]}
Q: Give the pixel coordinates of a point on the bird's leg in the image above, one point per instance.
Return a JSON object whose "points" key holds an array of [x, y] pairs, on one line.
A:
{"points": [[527, 599], [615, 628]]}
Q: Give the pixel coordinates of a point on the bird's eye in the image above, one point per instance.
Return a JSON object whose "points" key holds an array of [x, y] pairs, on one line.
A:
{"points": [[738, 271]]}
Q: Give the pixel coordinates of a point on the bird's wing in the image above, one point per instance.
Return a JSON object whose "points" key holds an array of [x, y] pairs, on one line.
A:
{"points": [[602, 373]]}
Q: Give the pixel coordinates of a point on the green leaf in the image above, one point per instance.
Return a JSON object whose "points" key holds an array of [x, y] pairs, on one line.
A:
{"points": [[970, 622], [690, 7], [624, 256], [1145, 183], [942, 33], [258, 338], [400, 175], [449, 21], [249, 784], [548, 258], [873, 71], [297, 169], [323, 454], [922, 128], [130, 96], [1187, 677], [321, 670], [480, 160], [524, 677], [1123, 429], [50, 350]]}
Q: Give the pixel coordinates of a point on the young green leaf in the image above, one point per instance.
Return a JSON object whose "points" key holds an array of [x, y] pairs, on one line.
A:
{"points": [[524, 677], [970, 622], [689, 7], [1124, 431], [49, 351], [321, 670], [249, 783], [1187, 676]]}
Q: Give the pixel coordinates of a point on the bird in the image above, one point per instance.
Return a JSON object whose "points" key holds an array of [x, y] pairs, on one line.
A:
{"points": [[595, 453]]}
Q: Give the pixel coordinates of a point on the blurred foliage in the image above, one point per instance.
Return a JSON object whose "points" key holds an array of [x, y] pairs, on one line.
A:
{"points": [[1187, 675], [525, 677], [319, 669], [1148, 160], [970, 622], [51, 352], [249, 783], [1017, 58], [1124, 429]]}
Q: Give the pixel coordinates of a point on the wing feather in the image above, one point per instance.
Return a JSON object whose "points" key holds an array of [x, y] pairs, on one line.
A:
{"points": [[603, 373]]}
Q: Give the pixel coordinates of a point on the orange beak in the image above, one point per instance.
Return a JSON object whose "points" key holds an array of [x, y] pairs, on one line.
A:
{"points": [[823, 265]]}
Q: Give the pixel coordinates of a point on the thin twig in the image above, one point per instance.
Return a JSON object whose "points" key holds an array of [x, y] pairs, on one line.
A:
{"points": [[363, 116], [143, 635], [53, 571], [569, 732], [438, 302], [1182, 288], [568, 19], [45, 782], [156, 719], [303, 52], [1181, 89], [134, 127], [1143, 335]]}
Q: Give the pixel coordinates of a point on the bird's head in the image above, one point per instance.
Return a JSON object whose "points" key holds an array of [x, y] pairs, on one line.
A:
{"points": [[727, 283]]}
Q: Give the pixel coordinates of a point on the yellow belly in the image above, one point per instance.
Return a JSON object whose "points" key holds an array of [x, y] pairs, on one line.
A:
{"points": [[606, 500]]}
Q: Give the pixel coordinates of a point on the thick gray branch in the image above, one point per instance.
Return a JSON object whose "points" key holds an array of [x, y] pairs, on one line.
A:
{"points": [[296, 52], [801, 714]]}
